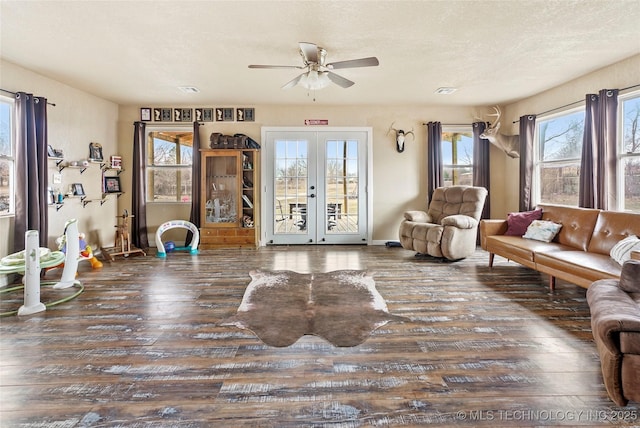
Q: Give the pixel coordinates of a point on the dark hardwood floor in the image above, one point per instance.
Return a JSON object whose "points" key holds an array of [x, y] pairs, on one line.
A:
{"points": [[142, 346]]}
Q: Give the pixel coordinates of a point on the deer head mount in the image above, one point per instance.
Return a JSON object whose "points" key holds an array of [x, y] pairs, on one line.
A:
{"points": [[400, 137], [510, 144]]}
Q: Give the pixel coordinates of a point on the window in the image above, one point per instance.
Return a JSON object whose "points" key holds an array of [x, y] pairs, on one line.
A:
{"points": [[7, 154], [457, 156], [170, 155], [629, 152], [557, 158]]}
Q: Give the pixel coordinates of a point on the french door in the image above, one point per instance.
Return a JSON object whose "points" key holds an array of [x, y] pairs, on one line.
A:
{"points": [[315, 185]]}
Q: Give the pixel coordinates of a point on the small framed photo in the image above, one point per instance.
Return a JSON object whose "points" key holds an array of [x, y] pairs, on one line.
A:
{"points": [[95, 152], [112, 185], [116, 162], [203, 115], [145, 114], [245, 115], [50, 152], [78, 190], [224, 114], [163, 114]]}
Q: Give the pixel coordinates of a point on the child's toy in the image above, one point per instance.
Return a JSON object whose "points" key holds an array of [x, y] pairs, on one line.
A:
{"points": [[122, 245], [169, 246], [86, 253], [193, 247]]}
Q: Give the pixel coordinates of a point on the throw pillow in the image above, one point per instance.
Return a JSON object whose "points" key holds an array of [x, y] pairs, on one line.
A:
{"points": [[542, 230], [517, 223], [621, 252], [629, 277]]}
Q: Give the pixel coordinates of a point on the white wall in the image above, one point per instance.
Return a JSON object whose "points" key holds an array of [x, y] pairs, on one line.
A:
{"points": [[77, 119]]}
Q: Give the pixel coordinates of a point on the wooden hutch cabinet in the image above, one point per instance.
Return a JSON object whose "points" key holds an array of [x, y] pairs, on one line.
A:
{"points": [[230, 198]]}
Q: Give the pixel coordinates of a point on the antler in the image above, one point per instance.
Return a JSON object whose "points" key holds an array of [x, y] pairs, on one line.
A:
{"points": [[410, 132], [391, 128], [498, 113]]}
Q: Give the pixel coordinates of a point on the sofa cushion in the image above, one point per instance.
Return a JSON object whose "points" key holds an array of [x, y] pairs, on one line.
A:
{"points": [[611, 227], [577, 224], [589, 266], [542, 230], [630, 277], [630, 342], [621, 252], [517, 223]]}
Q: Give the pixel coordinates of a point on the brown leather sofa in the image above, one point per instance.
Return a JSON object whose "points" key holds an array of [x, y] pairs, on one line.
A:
{"points": [[615, 323], [579, 253]]}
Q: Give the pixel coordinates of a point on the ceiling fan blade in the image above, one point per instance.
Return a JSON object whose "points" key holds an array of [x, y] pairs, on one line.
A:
{"points": [[339, 80], [293, 82], [353, 63], [275, 66], [309, 51]]}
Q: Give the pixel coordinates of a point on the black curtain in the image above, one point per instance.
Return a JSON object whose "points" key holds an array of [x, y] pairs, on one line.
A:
{"points": [[31, 193], [196, 202], [482, 164], [527, 132], [139, 236], [434, 157]]}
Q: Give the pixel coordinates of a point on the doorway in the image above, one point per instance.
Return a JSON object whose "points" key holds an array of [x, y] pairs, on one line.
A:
{"points": [[315, 185]]}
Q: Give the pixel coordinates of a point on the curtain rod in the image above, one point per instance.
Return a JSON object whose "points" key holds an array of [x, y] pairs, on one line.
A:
{"points": [[168, 124], [576, 102], [15, 93]]}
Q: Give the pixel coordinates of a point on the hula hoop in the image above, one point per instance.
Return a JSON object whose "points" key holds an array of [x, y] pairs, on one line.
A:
{"points": [[173, 224], [47, 284]]}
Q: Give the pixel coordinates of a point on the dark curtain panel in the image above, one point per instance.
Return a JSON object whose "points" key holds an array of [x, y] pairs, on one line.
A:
{"points": [[606, 148], [598, 165], [434, 157], [31, 193], [587, 193], [527, 132], [481, 164], [139, 236], [194, 217]]}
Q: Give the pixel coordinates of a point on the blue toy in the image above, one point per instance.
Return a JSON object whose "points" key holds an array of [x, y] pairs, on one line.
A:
{"points": [[163, 249]]}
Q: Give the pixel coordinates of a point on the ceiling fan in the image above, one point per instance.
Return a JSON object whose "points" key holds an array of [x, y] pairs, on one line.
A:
{"points": [[318, 74]]}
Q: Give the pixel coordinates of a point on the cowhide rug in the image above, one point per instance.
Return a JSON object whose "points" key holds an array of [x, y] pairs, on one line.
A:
{"points": [[342, 307]]}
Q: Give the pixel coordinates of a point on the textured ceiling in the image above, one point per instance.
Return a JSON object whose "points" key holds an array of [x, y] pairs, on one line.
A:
{"points": [[140, 52]]}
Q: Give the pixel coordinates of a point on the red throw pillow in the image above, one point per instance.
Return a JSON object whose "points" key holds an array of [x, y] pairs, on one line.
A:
{"points": [[517, 223]]}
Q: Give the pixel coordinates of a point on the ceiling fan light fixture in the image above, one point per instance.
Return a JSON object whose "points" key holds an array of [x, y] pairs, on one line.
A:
{"points": [[315, 80]]}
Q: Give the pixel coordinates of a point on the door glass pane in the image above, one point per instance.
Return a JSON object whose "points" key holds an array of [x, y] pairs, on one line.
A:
{"points": [[290, 187], [341, 196]]}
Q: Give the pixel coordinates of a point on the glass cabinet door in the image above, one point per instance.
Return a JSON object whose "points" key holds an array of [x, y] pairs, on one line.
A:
{"points": [[221, 193]]}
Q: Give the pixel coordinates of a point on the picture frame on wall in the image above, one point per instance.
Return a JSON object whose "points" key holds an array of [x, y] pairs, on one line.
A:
{"points": [[78, 190], [112, 185], [145, 114], [203, 115], [116, 162], [95, 152], [164, 114]]}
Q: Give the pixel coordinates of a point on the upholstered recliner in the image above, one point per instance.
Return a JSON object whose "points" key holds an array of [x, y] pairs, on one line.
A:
{"points": [[615, 324], [449, 228]]}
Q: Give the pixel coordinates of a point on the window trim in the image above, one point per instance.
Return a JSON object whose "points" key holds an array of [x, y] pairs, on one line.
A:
{"points": [[621, 155], [151, 167], [458, 129], [536, 188], [11, 158]]}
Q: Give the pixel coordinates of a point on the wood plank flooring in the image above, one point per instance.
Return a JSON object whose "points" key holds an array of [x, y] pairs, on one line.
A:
{"points": [[141, 347]]}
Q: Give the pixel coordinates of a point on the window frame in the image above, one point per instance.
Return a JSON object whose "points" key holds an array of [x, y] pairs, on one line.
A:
{"points": [[456, 129], [621, 155], [10, 158], [150, 194], [538, 157]]}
